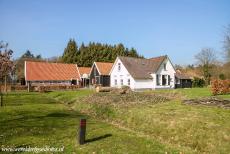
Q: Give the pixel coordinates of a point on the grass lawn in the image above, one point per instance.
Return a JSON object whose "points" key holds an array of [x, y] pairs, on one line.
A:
{"points": [[189, 128], [52, 119], [39, 120]]}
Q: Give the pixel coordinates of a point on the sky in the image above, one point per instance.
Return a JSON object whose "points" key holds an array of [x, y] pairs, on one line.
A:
{"points": [[177, 28]]}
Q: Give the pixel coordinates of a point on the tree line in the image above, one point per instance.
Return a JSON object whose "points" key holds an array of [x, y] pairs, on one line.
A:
{"points": [[85, 55]]}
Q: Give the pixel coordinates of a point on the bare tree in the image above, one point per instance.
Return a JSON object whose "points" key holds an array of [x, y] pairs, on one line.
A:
{"points": [[227, 43], [206, 58], [6, 65]]}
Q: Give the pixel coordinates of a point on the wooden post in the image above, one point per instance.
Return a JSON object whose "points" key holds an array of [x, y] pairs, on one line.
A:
{"points": [[28, 86], [82, 131]]}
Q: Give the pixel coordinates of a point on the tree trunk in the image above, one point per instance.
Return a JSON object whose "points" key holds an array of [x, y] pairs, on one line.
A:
{"points": [[1, 99], [5, 85]]}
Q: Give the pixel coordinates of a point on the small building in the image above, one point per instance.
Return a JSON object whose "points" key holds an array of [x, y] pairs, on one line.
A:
{"points": [[84, 74], [37, 73], [99, 74], [183, 80], [140, 73]]}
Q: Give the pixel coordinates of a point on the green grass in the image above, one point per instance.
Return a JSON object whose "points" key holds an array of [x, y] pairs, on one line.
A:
{"points": [[189, 128], [188, 93], [51, 119], [39, 120]]}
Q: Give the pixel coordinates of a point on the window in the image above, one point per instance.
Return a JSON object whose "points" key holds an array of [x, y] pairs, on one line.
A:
{"points": [[94, 71], [119, 66], [164, 80], [121, 82], [169, 79], [115, 81], [129, 82], [158, 80], [165, 67]]}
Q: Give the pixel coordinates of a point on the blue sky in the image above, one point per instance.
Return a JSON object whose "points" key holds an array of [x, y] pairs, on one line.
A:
{"points": [[178, 28]]}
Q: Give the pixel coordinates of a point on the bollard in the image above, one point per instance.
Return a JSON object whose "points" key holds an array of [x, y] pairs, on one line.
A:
{"points": [[82, 131]]}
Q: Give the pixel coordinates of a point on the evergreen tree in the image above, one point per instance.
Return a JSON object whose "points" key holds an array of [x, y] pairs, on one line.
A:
{"points": [[71, 52], [87, 54], [27, 54]]}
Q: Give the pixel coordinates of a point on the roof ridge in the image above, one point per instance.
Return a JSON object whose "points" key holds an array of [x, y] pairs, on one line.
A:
{"points": [[103, 62], [50, 62], [159, 56]]}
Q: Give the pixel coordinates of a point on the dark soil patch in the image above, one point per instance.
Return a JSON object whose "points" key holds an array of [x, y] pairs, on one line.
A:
{"points": [[212, 101]]}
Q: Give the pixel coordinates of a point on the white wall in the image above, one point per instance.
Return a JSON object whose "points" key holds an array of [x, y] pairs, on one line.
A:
{"points": [[143, 84], [118, 75], [169, 71]]}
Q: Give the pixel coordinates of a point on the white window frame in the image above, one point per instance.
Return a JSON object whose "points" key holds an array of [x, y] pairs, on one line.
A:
{"points": [[121, 82], [119, 66], [115, 82], [128, 81]]}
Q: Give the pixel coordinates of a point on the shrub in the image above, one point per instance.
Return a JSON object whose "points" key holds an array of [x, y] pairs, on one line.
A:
{"points": [[198, 82], [219, 87], [222, 76]]}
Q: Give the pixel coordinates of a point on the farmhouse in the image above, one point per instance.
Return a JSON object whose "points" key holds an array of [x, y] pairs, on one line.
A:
{"points": [[138, 73], [51, 73], [99, 74]]}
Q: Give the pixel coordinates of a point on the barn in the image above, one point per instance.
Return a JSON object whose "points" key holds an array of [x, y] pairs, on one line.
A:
{"points": [[45, 73]]}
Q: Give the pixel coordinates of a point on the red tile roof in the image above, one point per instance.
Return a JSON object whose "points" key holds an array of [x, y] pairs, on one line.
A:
{"points": [[84, 70], [43, 71], [104, 68]]}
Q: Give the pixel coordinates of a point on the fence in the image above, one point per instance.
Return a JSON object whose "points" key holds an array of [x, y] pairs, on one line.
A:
{"points": [[40, 88]]}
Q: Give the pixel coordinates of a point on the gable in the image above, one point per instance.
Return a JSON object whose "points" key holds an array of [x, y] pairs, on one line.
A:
{"points": [[103, 68], [140, 68], [94, 71], [169, 67]]}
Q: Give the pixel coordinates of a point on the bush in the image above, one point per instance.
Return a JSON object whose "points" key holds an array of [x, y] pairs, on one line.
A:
{"points": [[219, 87], [198, 82], [222, 76]]}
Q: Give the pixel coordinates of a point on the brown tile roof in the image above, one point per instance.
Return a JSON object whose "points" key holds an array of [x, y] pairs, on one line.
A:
{"points": [[141, 68], [104, 68], [84, 70], [43, 71], [182, 75]]}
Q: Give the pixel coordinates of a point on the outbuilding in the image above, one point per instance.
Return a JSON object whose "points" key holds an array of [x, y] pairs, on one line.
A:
{"points": [[183, 80], [99, 74]]}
